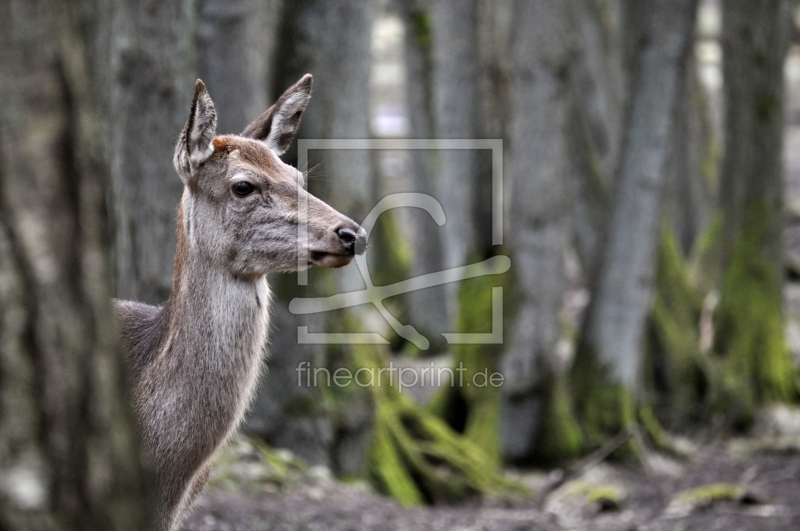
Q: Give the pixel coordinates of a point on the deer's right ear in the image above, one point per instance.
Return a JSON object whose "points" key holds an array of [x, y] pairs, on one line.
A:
{"points": [[196, 143], [278, 125]]}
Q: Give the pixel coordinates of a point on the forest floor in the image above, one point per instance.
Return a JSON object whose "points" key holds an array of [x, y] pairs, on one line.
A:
{"points": [[741, 485]]}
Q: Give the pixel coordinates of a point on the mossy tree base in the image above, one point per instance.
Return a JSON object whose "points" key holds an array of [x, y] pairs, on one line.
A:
{"points": [[470, 409], [755, 366], [602, 407], [417, 458], [559, 438], [677, 373]]}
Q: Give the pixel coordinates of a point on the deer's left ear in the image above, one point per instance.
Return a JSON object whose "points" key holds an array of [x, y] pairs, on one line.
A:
{"points": [[196, 143], [278, 125]]}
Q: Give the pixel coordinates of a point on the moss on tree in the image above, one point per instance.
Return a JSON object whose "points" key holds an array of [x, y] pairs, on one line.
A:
{"points": [[415, 457], [602, 407], [467, 408], [755, 367], [559, 437], [676, 371]]}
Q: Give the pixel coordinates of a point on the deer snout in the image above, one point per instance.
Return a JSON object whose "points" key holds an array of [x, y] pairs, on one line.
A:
{"points": [[353, 241]]}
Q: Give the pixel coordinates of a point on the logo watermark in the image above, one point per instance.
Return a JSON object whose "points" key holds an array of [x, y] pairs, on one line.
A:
{"points": [[398, 377], [375, 295]]}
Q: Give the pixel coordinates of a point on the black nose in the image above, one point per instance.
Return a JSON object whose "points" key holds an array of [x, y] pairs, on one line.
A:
{"points": [[353, 242]]}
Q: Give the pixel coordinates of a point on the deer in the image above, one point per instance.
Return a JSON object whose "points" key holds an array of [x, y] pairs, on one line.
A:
{"points": [[193, 364]]}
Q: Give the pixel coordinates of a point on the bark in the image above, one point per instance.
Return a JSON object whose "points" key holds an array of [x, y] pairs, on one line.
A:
{"points": [[69, 457], [676, 371], [691, 167], [608, 34], [749, 338], [330, 40], [606, 373], [542, 56], [236, 45], [427, 309], [145, 72], [456, 104], [600, 85], [474, 411]]}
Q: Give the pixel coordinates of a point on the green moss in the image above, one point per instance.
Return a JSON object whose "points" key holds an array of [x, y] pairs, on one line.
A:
{"points": [[392, 254], [706, 261], [755, 366], [603, 496], [250, 462], [602, 407], [415, 457], [559, 438], [689, 501], [675, 369], [708, 494], [421, 27], [469, 409]]}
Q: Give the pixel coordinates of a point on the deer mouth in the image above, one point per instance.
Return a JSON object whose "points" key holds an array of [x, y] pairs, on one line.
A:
{"points": [[329, 260]]}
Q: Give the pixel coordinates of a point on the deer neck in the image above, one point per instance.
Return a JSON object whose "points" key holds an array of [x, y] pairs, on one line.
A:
{"points": [[216, 327]]}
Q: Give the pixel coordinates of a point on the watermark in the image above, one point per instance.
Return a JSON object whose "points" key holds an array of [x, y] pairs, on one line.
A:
{"points": [[397, 377], [375, 295]]}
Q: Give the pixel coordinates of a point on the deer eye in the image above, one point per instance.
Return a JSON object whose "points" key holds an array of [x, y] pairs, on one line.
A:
{"points": [[243, 188]]}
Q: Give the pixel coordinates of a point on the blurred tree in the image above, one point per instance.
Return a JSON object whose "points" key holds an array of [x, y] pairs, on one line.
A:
{"points": [[69, 457], [606, 371], [456, 114], [144, 71], [427, 309], [676, 371], [469, 409], [749, 336], [236, 45], [535, 411], [600, 86]]}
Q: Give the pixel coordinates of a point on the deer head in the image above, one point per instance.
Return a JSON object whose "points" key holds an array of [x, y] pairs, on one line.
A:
{"points": [[240, 206]]}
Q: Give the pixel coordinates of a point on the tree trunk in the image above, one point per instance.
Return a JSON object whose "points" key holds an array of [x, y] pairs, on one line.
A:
{"points": [[676, 370], [427, 308], [606, 372], [145, 72], [542, 56], [237, 41], [69, 457], [456, 105], [749, 338], [600, 83]]}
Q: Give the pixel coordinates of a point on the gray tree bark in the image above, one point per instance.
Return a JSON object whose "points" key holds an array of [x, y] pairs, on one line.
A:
{"points": [[427, 308], [456, 105], [755, 37], [611, 346], [539, 210], [236, 45], [749, 336], [600, 85], [689, 193], [69, 457], [144, 67]]}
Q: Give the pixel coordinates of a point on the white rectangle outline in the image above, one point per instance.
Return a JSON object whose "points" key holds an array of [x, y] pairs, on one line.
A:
{"points": [[495, 145], [306, 144]]}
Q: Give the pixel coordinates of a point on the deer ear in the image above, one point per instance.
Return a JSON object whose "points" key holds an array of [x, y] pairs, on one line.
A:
{"points": [[278, 125], [195, 145]]}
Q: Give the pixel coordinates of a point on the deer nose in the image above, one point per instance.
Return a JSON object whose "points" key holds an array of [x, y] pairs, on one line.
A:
{"points": [[353, 242]]}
